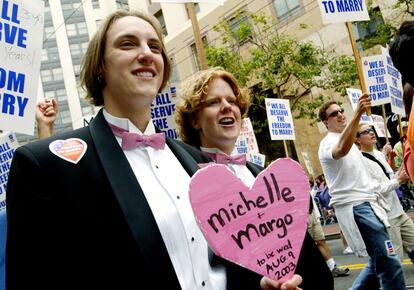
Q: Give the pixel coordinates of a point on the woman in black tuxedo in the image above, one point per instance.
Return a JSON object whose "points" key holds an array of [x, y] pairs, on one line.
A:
{"points": [[106, 206], [209, 117]]}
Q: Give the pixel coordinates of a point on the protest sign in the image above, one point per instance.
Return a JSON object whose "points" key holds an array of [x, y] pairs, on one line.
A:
{"points": [[21, 33], [375, 76], [280, 119], [394, 81], [241, 145], [379, 126], [163, 110], [248, 132], [333, 11], [261, 228], [8, 144], [256, 158], [353, 95]]}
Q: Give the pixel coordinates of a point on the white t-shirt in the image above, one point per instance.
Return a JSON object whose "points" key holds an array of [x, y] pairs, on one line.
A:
{"points": [[347, 178]]}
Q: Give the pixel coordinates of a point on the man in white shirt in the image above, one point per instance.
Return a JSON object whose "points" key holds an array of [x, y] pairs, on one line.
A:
{"points": [[356, 200]]}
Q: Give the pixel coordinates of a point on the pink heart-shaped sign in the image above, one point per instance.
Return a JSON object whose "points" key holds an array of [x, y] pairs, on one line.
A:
{"points": [[261, 228], [71, 149]]}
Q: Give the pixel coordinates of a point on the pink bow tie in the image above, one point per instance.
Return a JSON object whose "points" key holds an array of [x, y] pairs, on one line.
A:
{"points": [[239, 159], [134, 140]]}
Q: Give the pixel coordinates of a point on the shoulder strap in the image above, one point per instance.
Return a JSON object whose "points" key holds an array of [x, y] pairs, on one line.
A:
{"points": [[369, 156]]}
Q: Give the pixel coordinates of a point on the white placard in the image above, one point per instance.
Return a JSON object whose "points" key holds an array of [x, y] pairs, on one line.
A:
{"points": [[248, 132], [280, 119], [21, 45], [376, 80], [353, 95], [308, 163], [394, 80], [163, 111], [343, 10], [257, 158], [8, 143], [242, 145]]}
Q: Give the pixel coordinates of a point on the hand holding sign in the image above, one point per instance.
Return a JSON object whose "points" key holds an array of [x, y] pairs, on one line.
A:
{"points": [[261, 228]]}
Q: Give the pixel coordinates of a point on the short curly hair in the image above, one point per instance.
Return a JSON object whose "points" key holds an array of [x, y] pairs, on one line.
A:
{"points": [[93, 65], [193, 93]]}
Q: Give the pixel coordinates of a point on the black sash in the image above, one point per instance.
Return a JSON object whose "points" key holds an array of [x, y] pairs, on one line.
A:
{"points": [[369, 156]]}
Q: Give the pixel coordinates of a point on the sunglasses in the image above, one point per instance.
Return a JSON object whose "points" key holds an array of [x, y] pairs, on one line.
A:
{"points": [[366, 131], [335, 113]]}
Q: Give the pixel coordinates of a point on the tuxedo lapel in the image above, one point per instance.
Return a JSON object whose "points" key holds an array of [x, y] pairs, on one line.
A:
{"points": [[186, 160], [254, 169], [132, 202]]}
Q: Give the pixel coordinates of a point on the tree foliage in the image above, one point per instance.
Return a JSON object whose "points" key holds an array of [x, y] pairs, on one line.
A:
{"points": [[274, 65]]}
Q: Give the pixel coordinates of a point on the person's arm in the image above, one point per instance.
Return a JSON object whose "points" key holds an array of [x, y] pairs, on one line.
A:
{"points": [[292, 284], [46, 112], [348, 136]]}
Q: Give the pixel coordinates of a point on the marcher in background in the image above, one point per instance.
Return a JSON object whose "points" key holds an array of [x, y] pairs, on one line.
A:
{"points": [[354, 196], [115, 213], [209, 118], [401, 226], [316, 231], [46, 112]]}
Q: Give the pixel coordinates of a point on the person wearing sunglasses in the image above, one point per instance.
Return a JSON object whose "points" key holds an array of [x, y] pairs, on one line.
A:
{"points": [[402, 227], [355, 198]]}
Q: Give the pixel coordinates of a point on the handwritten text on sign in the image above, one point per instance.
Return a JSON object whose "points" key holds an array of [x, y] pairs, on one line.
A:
{"points": [[21, 31], [261, 228]]}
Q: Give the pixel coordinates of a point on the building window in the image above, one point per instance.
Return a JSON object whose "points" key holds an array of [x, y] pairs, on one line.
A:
{"points": [[95, 4], [122, 4], [49, 75], [287, 8], [241, 27], [78, 49], [196, 8], [366, 32], [196, 60], [43, 56], [52, 53], [58, 95], [174, 73], [75, 29], [161, 20], [49, 33], [65, 117]]}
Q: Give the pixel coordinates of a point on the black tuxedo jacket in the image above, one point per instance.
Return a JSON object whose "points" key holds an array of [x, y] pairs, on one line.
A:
{"points": [[88, 225], [311, 265]]}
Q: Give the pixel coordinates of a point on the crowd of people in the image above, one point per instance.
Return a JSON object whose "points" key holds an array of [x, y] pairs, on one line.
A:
{"points": [[117, 217]]}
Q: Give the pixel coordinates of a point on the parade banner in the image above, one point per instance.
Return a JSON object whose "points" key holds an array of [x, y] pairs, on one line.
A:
{"points": [[261, 228], [353, 95], [280, 119], [163, 110], [21, 30], [333, 11], [248, 132], [395, 85], [8, 144]]}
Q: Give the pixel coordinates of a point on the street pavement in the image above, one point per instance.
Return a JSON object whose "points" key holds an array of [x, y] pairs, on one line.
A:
{"points": [[356, 264]]}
